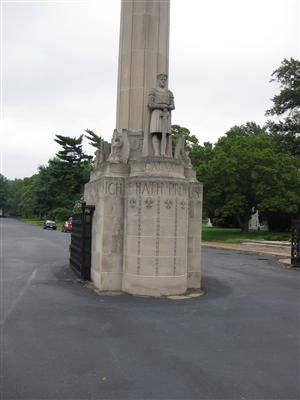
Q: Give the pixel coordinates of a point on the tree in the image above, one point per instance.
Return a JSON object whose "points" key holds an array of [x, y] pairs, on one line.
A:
{"points": [[72, 166], [15, 190], [3, 193], [190, 139], [201, 154], [72, 152], [247, 173], [95, 140], [288, 76], [286, 132]]}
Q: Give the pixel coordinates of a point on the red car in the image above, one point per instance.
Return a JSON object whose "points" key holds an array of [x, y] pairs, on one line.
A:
{"points": [[67, 226]]}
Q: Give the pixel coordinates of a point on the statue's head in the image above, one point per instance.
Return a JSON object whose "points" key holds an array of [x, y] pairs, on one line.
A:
{"points": [[162, 80]]}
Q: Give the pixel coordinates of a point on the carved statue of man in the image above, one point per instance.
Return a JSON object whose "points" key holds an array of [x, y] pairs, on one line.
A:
{"points": [[161, 103]]}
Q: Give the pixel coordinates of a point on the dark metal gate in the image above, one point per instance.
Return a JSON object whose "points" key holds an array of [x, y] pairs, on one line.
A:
{"points": [[81, 242], [295, 249]]}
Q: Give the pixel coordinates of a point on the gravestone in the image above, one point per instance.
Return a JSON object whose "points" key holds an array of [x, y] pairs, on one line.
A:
{"points": [[146, 234]]}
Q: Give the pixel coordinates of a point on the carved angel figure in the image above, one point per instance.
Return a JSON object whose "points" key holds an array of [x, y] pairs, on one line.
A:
{"points": [[180, 153], [116, 147]]}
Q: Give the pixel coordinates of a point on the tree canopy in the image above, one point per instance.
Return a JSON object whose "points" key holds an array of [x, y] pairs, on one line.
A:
{"points": [[288, 76], [286, 104], [3, 192], [244, 172]]}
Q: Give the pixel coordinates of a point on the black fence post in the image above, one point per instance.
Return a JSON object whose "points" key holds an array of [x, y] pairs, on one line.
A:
{"points": [[83, 264], [81, 241], [295, 245], [87, 241]]}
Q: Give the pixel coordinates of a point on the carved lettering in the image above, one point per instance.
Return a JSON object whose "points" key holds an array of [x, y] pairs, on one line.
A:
{"points": [[177, 189], [152, 167], [157, 189], [148, 188], [114, 188]]}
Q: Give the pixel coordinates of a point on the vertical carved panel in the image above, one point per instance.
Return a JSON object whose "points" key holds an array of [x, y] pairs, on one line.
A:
{"points": [[175, 236], [139, 233], [157, 236]]}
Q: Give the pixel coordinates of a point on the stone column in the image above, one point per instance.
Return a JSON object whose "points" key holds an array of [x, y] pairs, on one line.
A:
{"points": [[155, 237], [194, 235], [107, 194], [146, 233], [143, 53]]}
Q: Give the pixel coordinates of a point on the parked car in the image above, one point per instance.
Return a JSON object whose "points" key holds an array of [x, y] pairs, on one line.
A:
{"points": [[67, 225], [48, 224]]}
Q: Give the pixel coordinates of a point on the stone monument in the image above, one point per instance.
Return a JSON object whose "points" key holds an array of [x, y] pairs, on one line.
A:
{"points": [[146, 233]]}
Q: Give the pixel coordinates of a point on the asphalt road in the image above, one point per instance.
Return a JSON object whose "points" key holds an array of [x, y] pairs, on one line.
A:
{"points": [[60, 340]]}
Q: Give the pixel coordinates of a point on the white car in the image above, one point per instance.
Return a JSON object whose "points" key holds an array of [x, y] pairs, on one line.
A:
{"points": [[49, 224]]}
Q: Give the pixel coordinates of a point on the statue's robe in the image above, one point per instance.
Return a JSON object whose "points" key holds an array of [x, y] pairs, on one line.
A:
{"points": [[161, 121]]}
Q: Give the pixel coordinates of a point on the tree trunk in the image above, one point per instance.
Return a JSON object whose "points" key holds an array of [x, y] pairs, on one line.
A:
{"points": [[244, 224], [245, 227]]}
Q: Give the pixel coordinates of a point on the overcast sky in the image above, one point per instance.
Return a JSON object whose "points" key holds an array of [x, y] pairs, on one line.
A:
{"points": [[59, 69]]}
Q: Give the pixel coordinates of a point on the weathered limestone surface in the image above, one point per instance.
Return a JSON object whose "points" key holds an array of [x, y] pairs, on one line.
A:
{"points": [[156, 227], [194, 235], [146, 227], [146, 231], [143, 54], [107, 194]]}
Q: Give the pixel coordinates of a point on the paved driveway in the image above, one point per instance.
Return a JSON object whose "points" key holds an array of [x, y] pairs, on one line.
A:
{"points": [[60, 340]]}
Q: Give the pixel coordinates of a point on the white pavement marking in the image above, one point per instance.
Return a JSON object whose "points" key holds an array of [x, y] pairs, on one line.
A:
{"points": [[19, 297]]}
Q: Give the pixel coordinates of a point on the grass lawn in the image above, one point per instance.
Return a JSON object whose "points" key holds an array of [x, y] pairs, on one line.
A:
{"points": [[33, 221], [231, 235]]}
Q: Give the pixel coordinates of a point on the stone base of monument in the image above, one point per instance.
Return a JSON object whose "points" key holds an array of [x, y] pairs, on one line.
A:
{"points": [[146, 232]]}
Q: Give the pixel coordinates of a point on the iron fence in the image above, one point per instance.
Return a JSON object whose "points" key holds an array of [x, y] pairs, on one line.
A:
{"points": [[295, 247], [81, 242]]}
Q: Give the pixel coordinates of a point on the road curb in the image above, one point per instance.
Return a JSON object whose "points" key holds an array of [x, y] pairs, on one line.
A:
{"points": [[247, 248]]}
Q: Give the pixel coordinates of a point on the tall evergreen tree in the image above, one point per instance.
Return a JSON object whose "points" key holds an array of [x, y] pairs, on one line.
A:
{"points": [[95, 140]]}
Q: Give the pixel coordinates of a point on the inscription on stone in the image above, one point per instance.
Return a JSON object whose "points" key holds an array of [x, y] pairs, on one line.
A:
{"points": [[177, 189], [114, 188], [158, 167], [157, 189]]}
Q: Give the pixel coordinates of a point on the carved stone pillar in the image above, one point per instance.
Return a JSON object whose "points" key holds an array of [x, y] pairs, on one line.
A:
{"points": [[146, 232], [143, 54], [156, 231]]}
